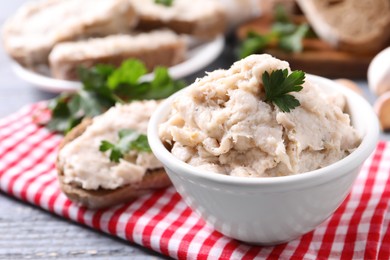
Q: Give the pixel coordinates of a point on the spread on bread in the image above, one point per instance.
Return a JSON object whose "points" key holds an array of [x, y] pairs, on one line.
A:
{"points": [[83, 163], [106, 159], [157, 48], [37, 27], [200, 18], [31, 34]]}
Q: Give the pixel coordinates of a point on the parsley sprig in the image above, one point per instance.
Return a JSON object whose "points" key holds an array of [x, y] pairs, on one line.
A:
{"points": [[278, 84], [164, 2], [128, 140], [105, 85], [284, 33]]}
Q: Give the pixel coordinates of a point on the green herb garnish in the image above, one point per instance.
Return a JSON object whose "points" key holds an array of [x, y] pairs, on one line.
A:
{"points": [[293, 42], [254, 43], [281, 15], [105, 85], [164, 2], [287, 36], [128, 140], [279, 84]]}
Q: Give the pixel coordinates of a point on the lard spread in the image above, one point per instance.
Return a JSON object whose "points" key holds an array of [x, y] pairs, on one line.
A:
{"points": [[85, 165], [222, 124]]}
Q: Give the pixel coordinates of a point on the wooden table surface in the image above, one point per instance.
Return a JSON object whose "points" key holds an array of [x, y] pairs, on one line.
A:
{"points": [[27, 232]]}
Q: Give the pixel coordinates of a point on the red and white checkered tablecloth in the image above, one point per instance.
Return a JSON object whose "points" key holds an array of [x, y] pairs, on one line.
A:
{"points": [[359, 229]]}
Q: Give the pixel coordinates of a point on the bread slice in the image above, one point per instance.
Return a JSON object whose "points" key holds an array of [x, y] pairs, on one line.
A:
{"points": [[102, 198], [33, 31], [201, 18], [351, 25], [157, 48]]}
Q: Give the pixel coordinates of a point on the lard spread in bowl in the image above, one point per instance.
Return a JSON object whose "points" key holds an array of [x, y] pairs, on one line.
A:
{"points": [[223, 123], [214, 134]]}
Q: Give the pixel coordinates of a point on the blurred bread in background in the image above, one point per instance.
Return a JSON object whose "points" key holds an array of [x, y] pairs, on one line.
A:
{"points": [[201, 18], [269, 6], [95, 31], [37, 27], [351, 25], [156, 48]]}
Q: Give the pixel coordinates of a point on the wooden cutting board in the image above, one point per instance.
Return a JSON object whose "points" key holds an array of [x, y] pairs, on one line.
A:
{"points": [[318, 57]]}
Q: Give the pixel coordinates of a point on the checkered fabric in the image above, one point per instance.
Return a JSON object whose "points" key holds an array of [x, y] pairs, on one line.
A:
{"points": [[161, 221]]}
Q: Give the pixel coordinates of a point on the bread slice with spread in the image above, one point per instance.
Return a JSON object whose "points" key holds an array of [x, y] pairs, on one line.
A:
{"points": [[156, 48], [90, 177], [357, 26], [33, 31], [200, 18]]}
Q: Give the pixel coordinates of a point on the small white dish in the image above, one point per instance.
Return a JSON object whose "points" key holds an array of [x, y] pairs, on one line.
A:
{"points": [[274, 210], [198, 57]]}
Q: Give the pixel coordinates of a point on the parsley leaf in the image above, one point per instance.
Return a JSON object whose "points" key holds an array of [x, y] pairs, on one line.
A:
{"points": [[283, 28], [278, 84], [129, 72], [254, 43], [293, 42], [281, 14], [284, 33], [103, 87], [128, 140], [160, 87], [164, 83], [164, 2], [62, 119]]}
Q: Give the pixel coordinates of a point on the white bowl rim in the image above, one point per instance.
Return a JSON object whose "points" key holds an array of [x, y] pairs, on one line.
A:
{"points": [[328, 173]]}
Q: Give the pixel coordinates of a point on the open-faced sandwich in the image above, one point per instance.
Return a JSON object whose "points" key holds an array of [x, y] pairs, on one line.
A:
{"points": [[37, 27], [201, 18], [60, 35], [106, 160], [157, 48]]}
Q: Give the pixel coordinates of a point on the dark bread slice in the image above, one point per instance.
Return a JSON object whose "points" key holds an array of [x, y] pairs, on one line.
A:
{"points": [[102, 198]]}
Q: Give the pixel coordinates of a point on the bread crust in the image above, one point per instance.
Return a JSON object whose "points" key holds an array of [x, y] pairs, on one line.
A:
{"points": [[102, 198]]}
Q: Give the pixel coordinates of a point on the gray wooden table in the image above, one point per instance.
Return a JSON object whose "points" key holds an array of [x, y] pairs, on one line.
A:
{"points": [[27, 232]]}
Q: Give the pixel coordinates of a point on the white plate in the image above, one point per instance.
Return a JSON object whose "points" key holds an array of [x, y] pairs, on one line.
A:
{"points": [[198, 57]]}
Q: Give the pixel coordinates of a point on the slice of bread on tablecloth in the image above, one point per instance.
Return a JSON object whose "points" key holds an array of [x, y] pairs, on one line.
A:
{"points": [[105, 183]]}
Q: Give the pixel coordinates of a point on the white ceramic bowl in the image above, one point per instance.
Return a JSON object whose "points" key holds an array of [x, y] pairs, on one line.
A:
{"points": [[270, 210]]}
